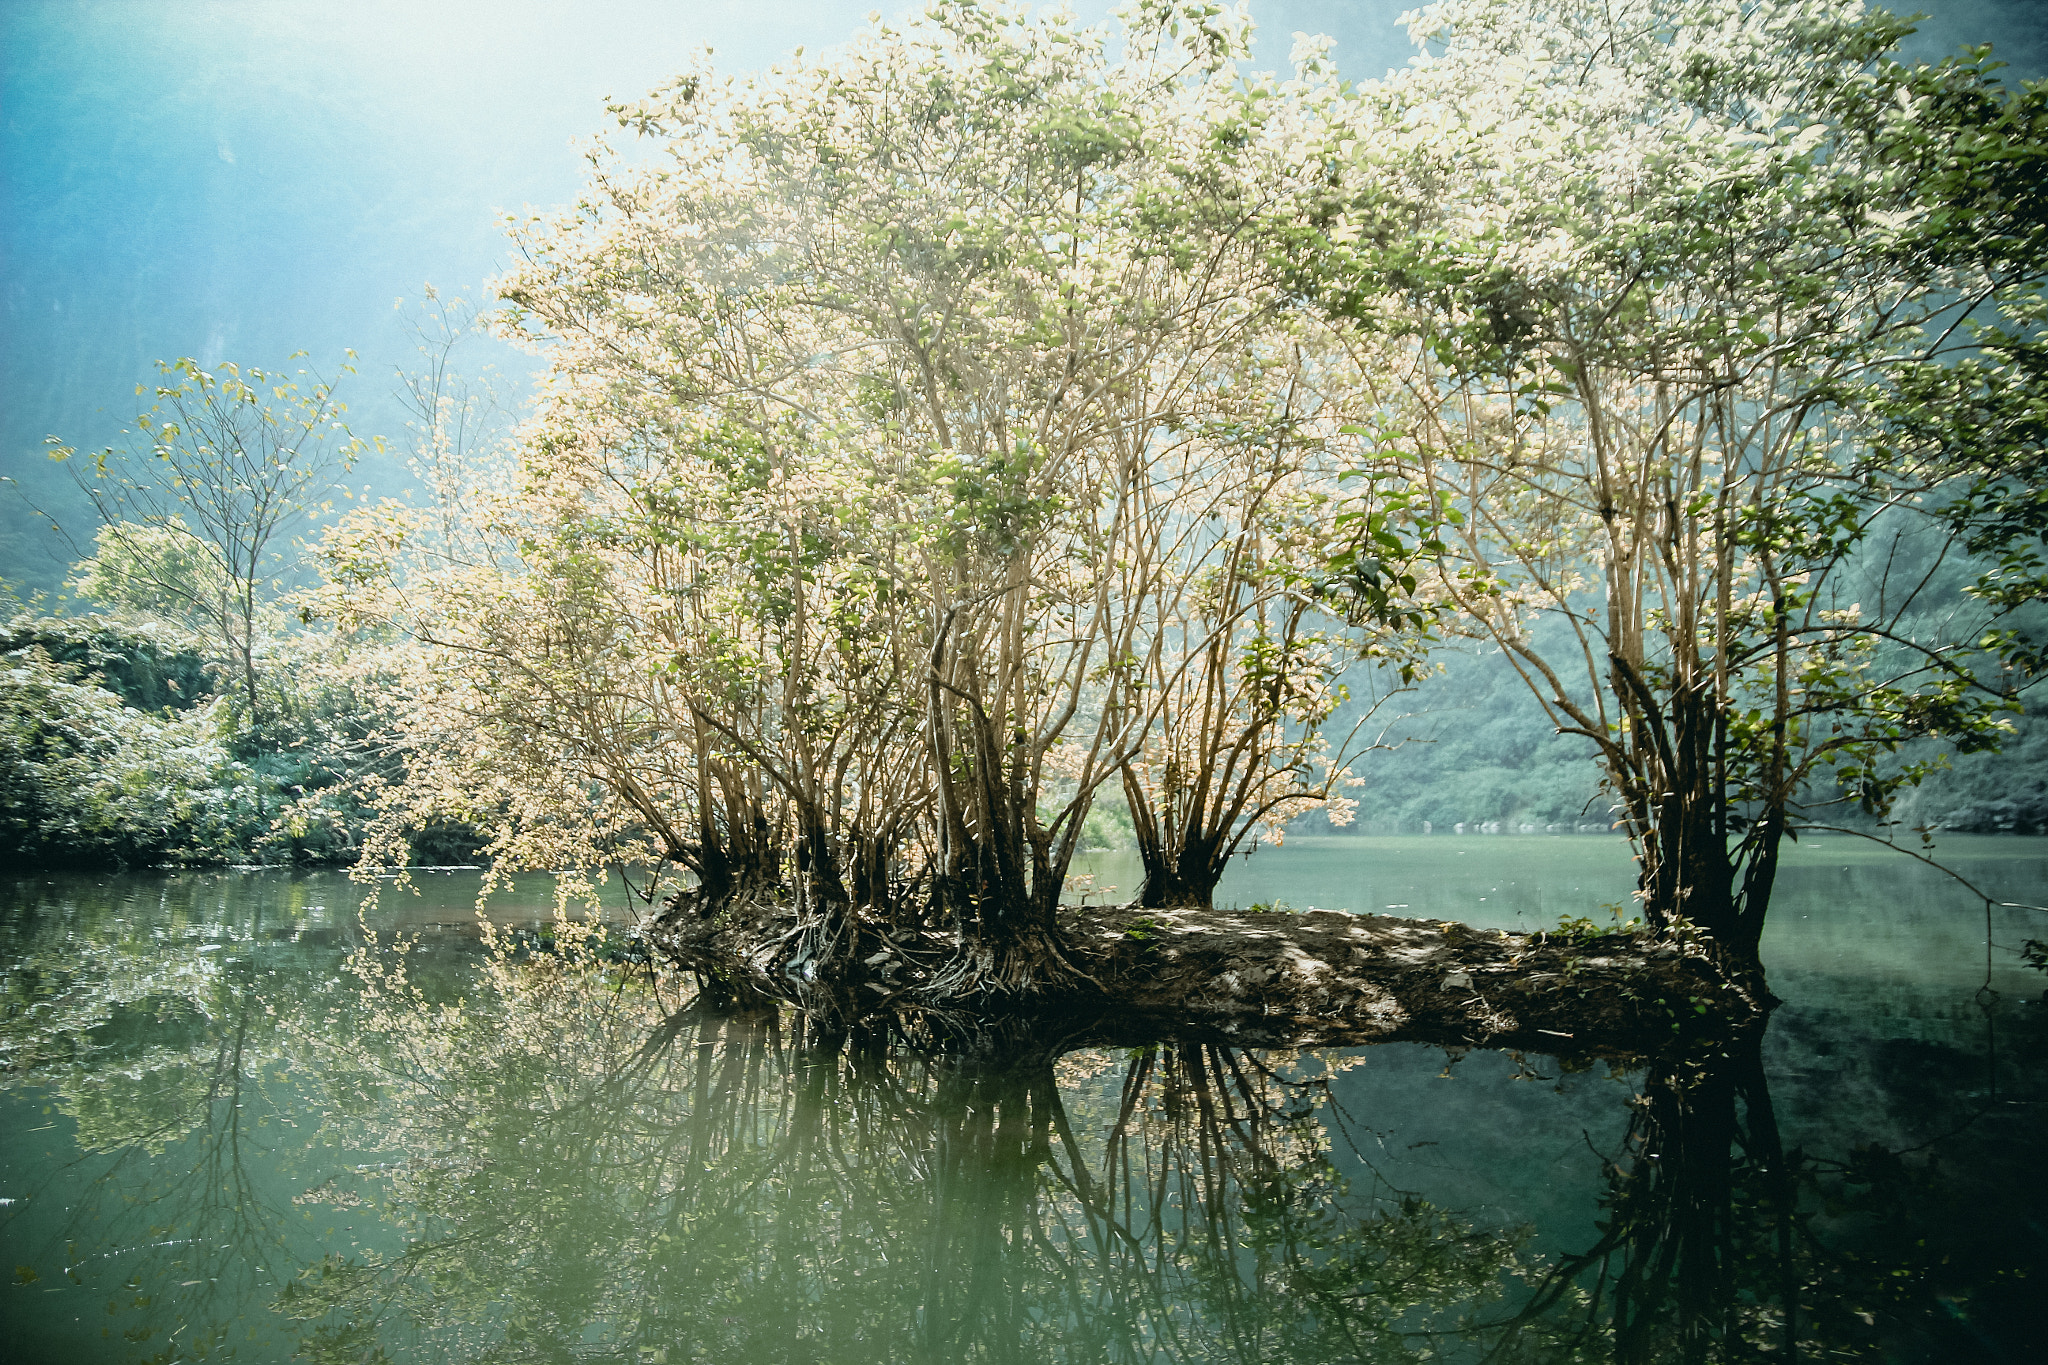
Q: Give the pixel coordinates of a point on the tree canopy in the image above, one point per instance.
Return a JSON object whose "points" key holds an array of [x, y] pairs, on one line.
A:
{"points": [[928, 447], [1709, 331], [1000, 418]]}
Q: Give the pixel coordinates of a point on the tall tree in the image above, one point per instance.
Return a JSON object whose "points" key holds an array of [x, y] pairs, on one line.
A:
{"points": [[880, 359], [1673, 285]]}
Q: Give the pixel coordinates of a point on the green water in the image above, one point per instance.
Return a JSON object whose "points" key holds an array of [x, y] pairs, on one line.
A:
{"points": [[241, 1123]]}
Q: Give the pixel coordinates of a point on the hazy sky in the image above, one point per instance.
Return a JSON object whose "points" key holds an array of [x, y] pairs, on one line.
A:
{"points": [[243, 180]]}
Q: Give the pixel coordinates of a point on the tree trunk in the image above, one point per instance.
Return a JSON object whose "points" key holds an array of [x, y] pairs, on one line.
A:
{"points": [[1185, 879], [997, 880], [1674, 792], [737, 858], [1181, 866], [1007, 928]]}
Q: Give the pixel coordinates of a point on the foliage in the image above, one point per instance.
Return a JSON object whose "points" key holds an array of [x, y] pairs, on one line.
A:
{"points": [[149, 664], [1663, 294], [85, 778], [117, 750], [162, 570], [1584, 929], [925, 449], [2002, 792], [998, 436]]}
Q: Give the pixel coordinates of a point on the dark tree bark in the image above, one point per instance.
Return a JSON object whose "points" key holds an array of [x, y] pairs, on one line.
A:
{"points": [[1702, 862], [1000, 871]]}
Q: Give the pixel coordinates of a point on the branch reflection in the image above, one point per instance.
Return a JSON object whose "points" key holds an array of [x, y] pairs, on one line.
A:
{"points": [[1721, 1243], [535, 1156], [728, 1185]]}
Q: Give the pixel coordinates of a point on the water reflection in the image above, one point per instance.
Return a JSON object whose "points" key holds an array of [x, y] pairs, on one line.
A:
{"points": [[283, 1143], [735, 1188], [153, 1029], [1721, 1243], [1692, 1259]]}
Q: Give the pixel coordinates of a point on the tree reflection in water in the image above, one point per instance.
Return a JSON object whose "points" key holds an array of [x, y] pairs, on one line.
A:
{"points": [[725, 1188], [157, 1035], [1719, 1244], [728, 1185], [573, 1170]]}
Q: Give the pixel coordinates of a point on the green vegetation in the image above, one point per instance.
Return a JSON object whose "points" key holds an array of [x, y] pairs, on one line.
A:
{"points": [[120, 747], [193, 515], [91, 771], [1003, 438]]}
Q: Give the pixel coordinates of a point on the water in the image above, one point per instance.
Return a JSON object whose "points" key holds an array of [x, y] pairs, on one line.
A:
{"points": [[241, 1123]]}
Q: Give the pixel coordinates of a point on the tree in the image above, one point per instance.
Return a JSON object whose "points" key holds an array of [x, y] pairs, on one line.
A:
{"points": [[1242, 664], [155, 571], [217, 472], [904, 410], [1672, 285]]}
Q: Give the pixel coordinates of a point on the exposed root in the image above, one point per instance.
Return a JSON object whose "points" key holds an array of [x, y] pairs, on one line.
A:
{"points": [[821, 950], [1235, 977], [1029, 967]]}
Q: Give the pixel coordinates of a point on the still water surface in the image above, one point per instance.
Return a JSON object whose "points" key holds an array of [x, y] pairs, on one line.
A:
{"points": [[240, 1123]]}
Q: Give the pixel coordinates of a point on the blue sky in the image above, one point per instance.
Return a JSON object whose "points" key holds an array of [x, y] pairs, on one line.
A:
{"points": [[245, 180]]}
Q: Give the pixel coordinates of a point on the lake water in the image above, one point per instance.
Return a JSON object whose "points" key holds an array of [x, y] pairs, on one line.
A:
{"points": [[244, 1119]]}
